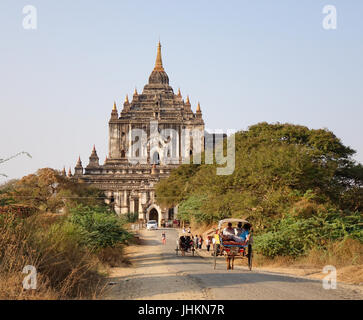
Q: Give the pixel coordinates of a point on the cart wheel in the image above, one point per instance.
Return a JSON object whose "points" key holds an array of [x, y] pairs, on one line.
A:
{"points": [[215, 256], [250, 257]]}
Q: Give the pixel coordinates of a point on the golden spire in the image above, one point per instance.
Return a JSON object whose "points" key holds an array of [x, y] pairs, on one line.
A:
{"points": [[179, 93], [198, 107], [127, 99], [135, 92], [114, 106], [158, 62], [187, 102]]}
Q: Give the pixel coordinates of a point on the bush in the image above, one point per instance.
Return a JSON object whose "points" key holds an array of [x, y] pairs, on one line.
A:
{"points": [[95, 227], [295, 236]]}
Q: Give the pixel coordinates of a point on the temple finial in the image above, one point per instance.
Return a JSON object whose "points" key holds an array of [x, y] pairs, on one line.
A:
{"points": [[187, 102], [135, 92], [179, 93], [127, 99], [198, 107], [158, 62], [114, 105]]}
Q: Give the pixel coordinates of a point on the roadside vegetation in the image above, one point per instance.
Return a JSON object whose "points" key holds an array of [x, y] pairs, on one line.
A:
{"points": [[63, 229], [300, 188]]}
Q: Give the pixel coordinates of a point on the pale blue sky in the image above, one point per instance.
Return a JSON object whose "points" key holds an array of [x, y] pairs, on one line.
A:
{"points": [[245, 61]]}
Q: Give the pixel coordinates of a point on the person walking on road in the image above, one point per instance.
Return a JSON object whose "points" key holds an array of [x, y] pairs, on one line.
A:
{"points": [[163, 237], [207, 243], [196, 241], [200, 242]]}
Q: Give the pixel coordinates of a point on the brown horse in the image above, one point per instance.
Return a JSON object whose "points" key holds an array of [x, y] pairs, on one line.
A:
{"points": [[229, 259]]}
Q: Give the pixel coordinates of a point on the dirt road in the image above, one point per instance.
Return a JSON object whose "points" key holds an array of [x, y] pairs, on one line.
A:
{"points": [[157, 273]]}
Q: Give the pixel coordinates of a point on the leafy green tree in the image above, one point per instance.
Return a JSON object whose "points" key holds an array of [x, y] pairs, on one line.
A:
{"points": [[276, 165]]}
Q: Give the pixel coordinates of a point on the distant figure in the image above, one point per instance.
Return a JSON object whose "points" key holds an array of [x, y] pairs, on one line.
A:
{"points": [[200, 242], [216, 242], [163, 237], [196, 241], [207, 243]]}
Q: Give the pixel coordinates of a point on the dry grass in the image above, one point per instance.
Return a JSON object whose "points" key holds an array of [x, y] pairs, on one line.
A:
{"points": [[113, 257], [64, 270], [345, 255]]}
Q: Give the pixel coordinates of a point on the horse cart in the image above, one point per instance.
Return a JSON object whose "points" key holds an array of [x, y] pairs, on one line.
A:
{"points": [[227, 246], [185, 244]]}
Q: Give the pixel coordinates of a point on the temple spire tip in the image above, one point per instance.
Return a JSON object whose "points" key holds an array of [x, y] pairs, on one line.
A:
{"points": [[158, 62]]}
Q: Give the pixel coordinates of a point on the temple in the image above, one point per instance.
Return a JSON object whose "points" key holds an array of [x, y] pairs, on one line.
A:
{"points": [[150, 136]]}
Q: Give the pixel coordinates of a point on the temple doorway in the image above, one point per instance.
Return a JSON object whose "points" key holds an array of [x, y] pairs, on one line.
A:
{"points": [[153, 215]]}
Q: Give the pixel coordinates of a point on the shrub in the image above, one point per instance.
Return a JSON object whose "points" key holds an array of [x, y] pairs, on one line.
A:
{"points": [[95, 227], [295, 236]]}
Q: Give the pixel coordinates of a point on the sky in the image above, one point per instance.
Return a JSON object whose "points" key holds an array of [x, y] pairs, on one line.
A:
{"points": [[245, 61]]}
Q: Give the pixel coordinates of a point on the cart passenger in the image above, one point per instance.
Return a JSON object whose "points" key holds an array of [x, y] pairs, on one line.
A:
{"points": [[238, 230], [228, 231], [245, 233]]}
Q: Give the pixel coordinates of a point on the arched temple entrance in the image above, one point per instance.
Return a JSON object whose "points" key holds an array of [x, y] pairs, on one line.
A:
{"points": [[153, 215], [155, 158]]}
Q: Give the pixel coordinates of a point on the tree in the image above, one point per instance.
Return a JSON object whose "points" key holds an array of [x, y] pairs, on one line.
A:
{"points": [[276, 165], [48, 190]]}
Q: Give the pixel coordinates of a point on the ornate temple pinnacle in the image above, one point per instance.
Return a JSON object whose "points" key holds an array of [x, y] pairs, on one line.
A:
{"points": [[158, 62], [187, 102], [79, 162], [179, 93], [135, 92], [127, 99], [114, 106], [198, 107]]}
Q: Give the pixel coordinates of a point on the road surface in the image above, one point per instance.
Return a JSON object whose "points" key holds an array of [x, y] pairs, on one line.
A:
{"points": [[157, 273]]}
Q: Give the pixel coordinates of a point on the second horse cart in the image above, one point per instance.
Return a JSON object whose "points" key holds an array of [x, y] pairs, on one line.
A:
{"points": [[185, 244]]}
